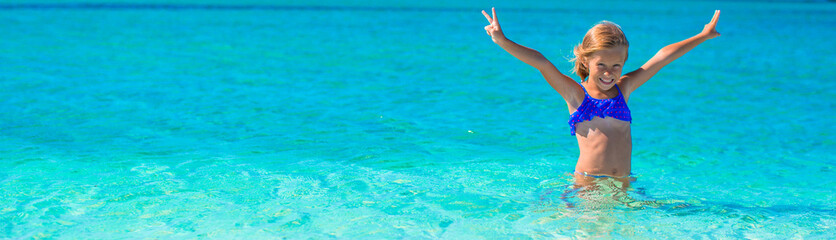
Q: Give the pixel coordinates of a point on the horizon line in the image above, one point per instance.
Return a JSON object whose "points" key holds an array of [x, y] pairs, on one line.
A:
{"points": [[221, 7]]}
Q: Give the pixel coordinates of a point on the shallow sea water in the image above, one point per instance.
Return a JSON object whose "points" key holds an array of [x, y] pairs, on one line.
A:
{"points": [[403, 120]]}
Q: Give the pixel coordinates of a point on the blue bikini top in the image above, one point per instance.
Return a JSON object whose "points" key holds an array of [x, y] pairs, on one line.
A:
{"points": [[590, 107]]}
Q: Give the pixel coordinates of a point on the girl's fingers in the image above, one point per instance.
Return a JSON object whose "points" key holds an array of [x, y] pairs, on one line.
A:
{"points": [[487, 16], [716, 16], [489, 29], [494, 15]]}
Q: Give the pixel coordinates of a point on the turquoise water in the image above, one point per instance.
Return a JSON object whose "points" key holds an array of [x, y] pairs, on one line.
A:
{"points": [[403, 120]]}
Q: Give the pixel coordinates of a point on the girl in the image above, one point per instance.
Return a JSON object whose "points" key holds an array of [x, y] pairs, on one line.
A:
{"points": [[600, 119]]}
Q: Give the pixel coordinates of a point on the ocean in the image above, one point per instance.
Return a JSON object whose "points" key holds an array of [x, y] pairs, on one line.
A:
{"points": [[389, 120]]}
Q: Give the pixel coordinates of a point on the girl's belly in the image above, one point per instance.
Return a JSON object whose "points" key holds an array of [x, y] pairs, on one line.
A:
{"points": [[605, 147]]}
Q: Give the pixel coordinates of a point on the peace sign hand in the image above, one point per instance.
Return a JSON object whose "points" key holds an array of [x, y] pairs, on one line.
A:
{"points": [[493, 28], [710, 30]]}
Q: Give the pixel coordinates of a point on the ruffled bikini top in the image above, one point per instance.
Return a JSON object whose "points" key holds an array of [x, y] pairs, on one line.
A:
{"points": [[590, 107]]}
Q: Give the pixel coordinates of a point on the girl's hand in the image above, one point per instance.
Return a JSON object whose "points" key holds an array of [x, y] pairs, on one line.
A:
{"points": [[710, 30], [493, 29]]}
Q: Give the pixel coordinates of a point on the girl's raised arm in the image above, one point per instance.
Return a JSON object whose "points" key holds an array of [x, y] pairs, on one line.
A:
{"points": [[666, 55], [568, 89]]}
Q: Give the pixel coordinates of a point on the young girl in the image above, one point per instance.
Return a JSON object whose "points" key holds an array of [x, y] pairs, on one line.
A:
{"points": [[600, 119]]}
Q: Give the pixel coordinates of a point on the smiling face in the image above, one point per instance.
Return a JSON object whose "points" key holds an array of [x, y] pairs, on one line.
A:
{"points": [[605, 66]]}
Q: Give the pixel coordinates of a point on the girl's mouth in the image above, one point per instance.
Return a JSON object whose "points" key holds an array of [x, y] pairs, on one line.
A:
{"points": [[606, 82]]}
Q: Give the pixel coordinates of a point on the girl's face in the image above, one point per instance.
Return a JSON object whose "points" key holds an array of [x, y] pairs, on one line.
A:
{"points": [[605, 66]]}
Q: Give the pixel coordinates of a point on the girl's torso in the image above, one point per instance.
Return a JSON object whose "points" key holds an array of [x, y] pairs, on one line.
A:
{"points": [[602, 127]]}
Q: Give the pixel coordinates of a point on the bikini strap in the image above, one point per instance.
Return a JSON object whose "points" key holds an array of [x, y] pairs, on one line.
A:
{"points": [[584, 89]]}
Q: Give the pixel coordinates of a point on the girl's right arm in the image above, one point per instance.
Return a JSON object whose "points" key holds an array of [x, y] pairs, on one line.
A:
{"points": [[568, 88]]}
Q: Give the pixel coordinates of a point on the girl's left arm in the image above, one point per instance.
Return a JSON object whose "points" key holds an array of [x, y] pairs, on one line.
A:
{"points": [[634, 79]]}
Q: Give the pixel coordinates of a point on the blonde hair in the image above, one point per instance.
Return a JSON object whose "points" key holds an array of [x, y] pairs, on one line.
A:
{"points": [[603, 35]]}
